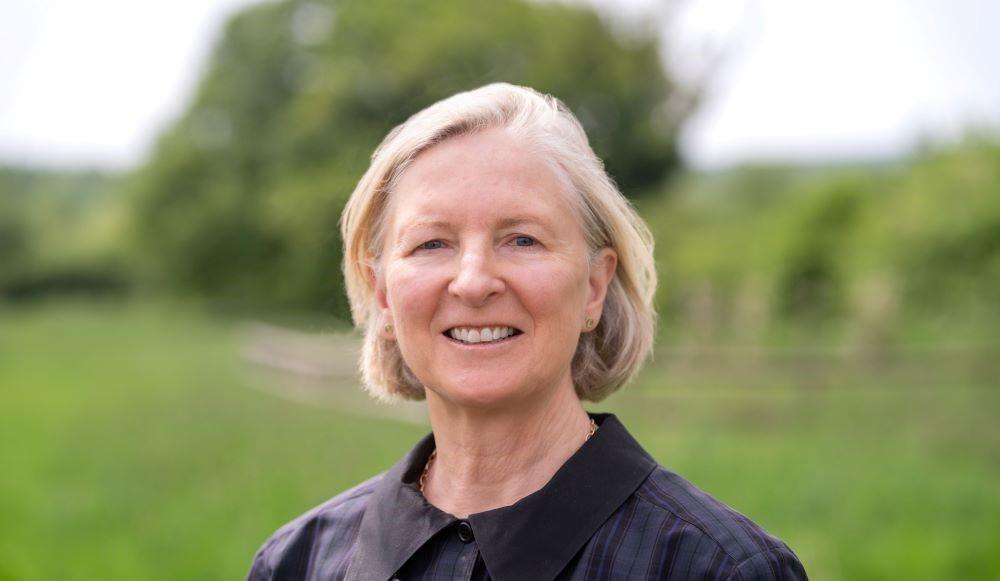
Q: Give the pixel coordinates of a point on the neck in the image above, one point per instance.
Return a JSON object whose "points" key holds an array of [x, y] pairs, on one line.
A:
{"points": [[492, 458]]}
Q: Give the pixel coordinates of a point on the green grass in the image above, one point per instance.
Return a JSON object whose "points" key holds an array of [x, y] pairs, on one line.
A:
{"points": [[133, 447]]}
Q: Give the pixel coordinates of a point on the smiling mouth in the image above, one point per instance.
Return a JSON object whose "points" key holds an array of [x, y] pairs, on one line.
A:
{"points": [[481, 335]]}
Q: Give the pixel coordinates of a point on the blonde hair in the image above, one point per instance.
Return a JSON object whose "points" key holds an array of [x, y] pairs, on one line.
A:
{"points": [[605, 358]]}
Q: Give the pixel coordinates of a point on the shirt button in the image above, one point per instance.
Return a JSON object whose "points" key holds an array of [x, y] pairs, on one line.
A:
{"points": [[465, 531]]}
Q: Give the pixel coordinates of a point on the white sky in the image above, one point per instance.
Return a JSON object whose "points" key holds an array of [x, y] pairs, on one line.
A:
{"points": [[848, 79], [91, 83]]}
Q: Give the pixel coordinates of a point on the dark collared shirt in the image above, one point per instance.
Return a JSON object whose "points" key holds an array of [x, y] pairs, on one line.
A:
{"points": [[610, 512]]}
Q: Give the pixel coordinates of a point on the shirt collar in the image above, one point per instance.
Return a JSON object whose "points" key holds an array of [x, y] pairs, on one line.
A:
{"points": [[533, 538]]}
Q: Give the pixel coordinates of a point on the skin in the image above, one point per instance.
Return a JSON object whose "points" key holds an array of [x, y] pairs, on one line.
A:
{"points": [[480, 233]]}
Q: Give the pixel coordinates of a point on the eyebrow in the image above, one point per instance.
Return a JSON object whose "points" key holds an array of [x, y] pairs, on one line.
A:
{"points": [[511, 222], [422, 224], [520, 221]]}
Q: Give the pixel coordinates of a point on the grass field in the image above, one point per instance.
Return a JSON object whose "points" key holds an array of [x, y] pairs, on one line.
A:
{"points": [[132, 446]]}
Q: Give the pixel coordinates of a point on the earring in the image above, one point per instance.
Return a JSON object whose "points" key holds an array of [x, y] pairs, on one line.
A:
{"points": [[589, 322], [388, 329]]}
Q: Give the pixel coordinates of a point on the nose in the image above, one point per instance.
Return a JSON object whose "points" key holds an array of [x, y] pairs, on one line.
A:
{"points": [[476, 281]]}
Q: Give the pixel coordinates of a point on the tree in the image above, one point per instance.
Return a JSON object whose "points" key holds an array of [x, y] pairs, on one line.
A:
{"points": [[241, 198]]}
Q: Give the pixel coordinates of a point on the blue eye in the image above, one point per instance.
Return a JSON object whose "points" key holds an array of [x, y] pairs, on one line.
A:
{"points": [[431, 245], [524, 241]]}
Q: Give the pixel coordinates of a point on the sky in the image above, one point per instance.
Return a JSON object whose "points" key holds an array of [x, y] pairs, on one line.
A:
{"points": [[811, 81]]}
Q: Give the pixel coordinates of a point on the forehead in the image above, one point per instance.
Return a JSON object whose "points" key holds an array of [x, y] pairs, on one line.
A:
{"points": [[490, 176]]}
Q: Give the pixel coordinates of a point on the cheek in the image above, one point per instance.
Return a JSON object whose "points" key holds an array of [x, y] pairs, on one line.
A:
{"points": [[411, 294], [559, 291]]}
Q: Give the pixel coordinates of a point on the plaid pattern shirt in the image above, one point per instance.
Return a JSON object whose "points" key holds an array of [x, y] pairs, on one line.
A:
{"points": [[610, 512]]}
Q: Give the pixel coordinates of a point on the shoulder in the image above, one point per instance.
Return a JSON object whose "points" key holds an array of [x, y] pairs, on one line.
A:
{"points": [[330, 528], [701, 532]]}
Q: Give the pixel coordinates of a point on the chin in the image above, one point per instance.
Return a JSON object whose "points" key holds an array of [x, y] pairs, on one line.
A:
{"points": [[481, 393]]}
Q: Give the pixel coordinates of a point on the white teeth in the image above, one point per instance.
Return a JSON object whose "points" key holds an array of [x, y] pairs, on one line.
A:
{"points": [[483, 335]]}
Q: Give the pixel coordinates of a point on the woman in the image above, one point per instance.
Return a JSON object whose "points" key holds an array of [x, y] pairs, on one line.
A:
{"points": [[500, 275]]}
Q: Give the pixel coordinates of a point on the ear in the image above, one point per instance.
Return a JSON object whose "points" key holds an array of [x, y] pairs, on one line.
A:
{"points": [[378, 284], [381, 301], [602, 270]]}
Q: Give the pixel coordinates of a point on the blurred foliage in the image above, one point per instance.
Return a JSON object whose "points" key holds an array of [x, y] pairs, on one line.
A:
{"points": [[241, 199], [850, 253], [864, 257], [59, 233]]}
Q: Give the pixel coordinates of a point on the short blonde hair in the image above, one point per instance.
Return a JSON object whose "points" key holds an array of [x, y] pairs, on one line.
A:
{"points": [[605, 358]]}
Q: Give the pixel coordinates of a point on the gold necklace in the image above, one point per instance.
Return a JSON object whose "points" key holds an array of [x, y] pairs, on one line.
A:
{"points": [[430, 459]]}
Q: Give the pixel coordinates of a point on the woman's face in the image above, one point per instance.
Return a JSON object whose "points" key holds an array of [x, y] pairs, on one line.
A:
{"points": [[481, 235]]}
